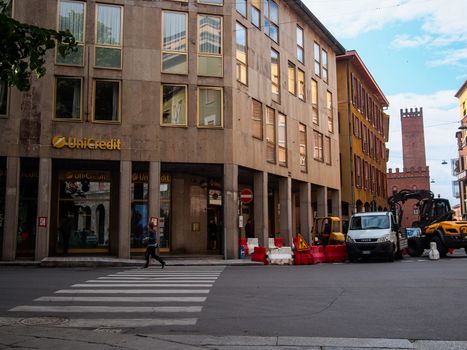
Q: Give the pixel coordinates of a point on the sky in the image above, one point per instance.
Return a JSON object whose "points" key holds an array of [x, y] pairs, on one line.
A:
{"points": [[417, 52]]}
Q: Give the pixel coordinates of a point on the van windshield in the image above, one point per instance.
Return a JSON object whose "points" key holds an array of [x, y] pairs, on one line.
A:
{"points": [[369, 222]]}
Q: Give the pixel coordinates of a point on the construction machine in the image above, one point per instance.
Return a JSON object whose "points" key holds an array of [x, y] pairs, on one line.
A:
{"points": [[435, 220], [327, 230]]}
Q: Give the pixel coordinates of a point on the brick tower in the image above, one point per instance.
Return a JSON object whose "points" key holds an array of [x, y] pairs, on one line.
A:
{"points": [[416, 174]]}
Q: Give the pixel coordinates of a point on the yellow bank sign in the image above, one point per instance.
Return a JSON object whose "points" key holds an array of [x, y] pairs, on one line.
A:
{"points": [[59, 141]]}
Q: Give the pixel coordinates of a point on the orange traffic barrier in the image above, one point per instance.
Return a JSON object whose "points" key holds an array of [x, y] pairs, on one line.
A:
{"points": [[317, 254], [336, 253], [259, 254]]}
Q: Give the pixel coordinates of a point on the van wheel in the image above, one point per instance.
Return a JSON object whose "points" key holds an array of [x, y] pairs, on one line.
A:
{"points": [[415, 247], [399, 255], [391, 254], [440, 246]]}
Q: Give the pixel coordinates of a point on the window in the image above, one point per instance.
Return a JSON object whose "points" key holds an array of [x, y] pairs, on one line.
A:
{"points": [[358, 172], [275, 79], [271, 19], [241, 52], [106, 101], [270, 135], [291, 75], [314, 101], [324, 60], [240, 5], [3, 98], [302, 143], [174, 43], [108, 52], [282, 139], [68, 98], [327, 148], [210, 106], [174, 102], [300, 40], [212, 2], [317, 59], [301, 85], [257, 118], [255, 13], [210, 45], [71, 17], [329, 112], [318, 146]]}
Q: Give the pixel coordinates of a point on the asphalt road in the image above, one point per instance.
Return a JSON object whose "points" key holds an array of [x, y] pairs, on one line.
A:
{"points": [[411, 299]]}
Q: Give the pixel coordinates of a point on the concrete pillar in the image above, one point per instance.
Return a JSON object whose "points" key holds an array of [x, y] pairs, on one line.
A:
{"points": [[285, 217], [10, 225], [322, 201], [43, 208], [260, 202], [124, 219], [155, 193], [230, 211], [305, 210], [336, 203]]}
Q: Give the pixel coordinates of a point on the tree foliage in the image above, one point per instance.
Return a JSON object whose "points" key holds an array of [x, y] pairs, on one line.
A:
{"points": [[23, 48]]}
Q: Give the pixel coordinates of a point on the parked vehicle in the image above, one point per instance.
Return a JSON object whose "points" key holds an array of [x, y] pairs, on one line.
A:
{"points": [[327, 230], [375, 234]]}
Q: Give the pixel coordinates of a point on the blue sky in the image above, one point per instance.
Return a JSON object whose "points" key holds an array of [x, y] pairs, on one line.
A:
{"points": [[417, 53]]}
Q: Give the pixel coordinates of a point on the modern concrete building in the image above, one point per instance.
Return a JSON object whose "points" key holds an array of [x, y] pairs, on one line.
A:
{"points": [[167, 111], [363, 131], [461, 168]]}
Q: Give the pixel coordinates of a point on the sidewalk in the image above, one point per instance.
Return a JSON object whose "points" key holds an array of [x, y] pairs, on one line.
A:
{"points": [[116, 262]]}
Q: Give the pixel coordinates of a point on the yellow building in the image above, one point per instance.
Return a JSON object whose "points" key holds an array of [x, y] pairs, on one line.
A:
{"points": [[462, 147], [363, 134]]}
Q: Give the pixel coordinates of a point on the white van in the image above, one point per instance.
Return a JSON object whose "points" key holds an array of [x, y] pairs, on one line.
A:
{"points": [[374, 234]]}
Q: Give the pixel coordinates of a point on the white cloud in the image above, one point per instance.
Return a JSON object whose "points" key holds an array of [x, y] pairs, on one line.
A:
{"points": [[441, 119], [451, 57], [405, 40]]}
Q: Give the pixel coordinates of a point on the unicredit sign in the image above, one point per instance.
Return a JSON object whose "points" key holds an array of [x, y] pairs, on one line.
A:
{"points": [[59, 141]]}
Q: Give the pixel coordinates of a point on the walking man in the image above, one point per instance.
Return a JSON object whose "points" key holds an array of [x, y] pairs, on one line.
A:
{"points": [[151, 248]]}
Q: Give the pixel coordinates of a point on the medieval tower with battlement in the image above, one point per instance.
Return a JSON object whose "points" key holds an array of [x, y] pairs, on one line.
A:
{"points": [[415, 174]]}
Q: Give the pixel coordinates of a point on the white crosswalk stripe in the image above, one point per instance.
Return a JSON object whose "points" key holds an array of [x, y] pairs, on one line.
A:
{"points": [[159, 294]]}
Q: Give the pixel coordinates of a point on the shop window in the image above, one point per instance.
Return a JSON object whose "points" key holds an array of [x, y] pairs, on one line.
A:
{"points": [[210, 105], [210, 45], [271, 19], [108, 52], [300, 45], [3, 98], [255, 13], [257, 120], [317, 59], [275, 76], [241, 53], [302, 144], [174, 43], [71, 17], [291, 78], [318, 146], [270, 135], [68, 98], [174, 106], [106, 101], [301, 84], [139, 211], [240, 5], [314, 101], [282, 139]]}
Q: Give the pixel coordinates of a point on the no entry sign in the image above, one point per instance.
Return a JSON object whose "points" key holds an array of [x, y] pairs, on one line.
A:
{"points": [[246, 195]]}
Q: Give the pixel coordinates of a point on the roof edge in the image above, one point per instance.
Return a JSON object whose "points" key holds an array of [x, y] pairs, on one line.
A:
{"points": [[463, 87]]}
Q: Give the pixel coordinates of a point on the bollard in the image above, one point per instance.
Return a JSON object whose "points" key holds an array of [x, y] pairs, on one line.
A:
{"points": [[433, 254]]}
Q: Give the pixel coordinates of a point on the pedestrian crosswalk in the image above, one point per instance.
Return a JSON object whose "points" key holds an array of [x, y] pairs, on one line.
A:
{"points": [[172, 297]]}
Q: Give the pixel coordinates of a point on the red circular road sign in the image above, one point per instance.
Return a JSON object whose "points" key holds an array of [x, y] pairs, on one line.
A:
{"points": [[246, 195]]}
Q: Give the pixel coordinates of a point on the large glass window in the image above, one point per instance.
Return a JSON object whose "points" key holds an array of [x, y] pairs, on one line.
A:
{"points": [[139, 209], [301, 84], [291, 78], [174, 43], [324, 59], [275, 75], [318, 146], [106, 101], [210, 45], [300, 45], [329, 112], [270, 135], [3, 98], [257, 117], [271, 19], [241, 53], [210, 104], [317, 59], [314, 101], [68, 98], [302, 144], [71, 17], [84, 211], [174, 105], [255, 13], [282, 139], [240, 5], [108, 52]]}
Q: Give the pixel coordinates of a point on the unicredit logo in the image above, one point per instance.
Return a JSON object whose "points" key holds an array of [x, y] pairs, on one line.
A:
{"points": [[59, 141]]}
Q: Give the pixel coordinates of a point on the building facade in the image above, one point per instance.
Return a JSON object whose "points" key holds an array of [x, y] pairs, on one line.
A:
{"points": [[363, 135], [416, 174], [165, 113], [461, 135]]}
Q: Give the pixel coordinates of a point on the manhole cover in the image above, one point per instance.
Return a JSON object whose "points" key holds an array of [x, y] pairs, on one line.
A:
{"points": [[43, 321]]}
